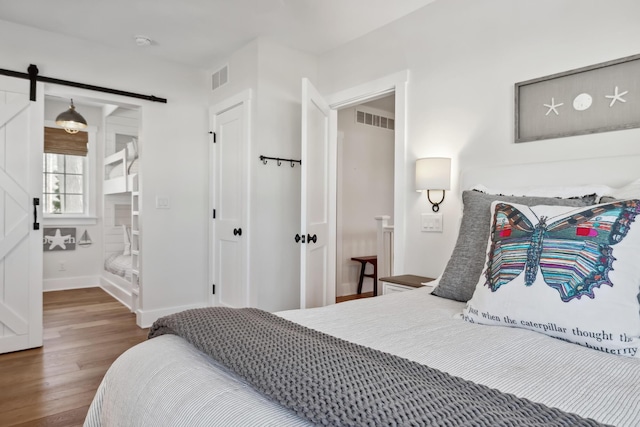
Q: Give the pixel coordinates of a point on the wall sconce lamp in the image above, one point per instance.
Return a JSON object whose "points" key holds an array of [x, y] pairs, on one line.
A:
{"points": [[433, 173], [71, 120]]}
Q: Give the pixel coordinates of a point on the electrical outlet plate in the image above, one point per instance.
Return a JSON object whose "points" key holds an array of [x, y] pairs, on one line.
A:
{"points": [[162, 202], [431, 222]]}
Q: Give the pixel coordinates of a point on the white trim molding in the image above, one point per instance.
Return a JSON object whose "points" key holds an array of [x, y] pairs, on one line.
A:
{"points": [[394, 83], [66, 283]]}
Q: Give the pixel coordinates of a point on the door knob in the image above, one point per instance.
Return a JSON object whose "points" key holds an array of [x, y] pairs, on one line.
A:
{"points": [[237, 231], [311, 238], [298, 238]]}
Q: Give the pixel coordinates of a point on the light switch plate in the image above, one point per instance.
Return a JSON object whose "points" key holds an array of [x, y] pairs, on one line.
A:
{"points": [[431, 222], [162, 202]]}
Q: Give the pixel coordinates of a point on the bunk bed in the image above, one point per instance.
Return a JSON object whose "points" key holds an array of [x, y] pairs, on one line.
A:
{"points": [[120, 168], [120, 275], [413, 354], [117, 271]]}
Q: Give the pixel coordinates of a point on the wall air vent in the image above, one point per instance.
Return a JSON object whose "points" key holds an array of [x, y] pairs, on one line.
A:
{"points": [[220, 77], [371, 119]]}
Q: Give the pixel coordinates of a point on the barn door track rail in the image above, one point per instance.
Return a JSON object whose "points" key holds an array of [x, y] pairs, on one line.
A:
{"points": [[33, 76]]}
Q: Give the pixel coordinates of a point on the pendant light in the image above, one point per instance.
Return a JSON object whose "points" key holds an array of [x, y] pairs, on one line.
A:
{"points": [[71, 120]]}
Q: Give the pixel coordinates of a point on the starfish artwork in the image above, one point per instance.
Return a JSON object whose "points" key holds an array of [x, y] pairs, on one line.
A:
{"points": [[553, 107], [58, 240], [616, 96]]}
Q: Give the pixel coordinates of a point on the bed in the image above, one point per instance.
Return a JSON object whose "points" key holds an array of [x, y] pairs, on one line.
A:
{"points": [[116, 277], [119, 264], [167, 381], [120, 169]]}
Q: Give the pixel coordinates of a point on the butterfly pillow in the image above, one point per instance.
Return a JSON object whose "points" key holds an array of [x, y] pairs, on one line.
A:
{"points": [[571, 273]]}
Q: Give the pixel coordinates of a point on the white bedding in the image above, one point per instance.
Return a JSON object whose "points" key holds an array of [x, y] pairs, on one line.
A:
{"points": [[119, 264], [165, 381]]}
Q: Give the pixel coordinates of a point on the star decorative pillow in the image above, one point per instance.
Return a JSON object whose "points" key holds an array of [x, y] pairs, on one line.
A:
{"points": [[571, 273]]}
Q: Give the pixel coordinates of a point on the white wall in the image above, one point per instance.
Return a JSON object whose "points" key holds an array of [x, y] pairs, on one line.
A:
{"points": [[275, 211], [173, 145], [274, 73], [464, 57], [365, 190]]}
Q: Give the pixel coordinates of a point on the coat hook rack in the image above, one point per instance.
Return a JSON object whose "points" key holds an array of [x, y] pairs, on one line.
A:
{"points": [[279, 160]]}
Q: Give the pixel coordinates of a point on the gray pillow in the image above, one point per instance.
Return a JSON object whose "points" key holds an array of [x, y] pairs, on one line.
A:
{"points": [[467, 261]]}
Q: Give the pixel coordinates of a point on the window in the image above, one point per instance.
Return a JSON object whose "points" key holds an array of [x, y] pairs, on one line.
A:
{"points": [[64, 184], [68, 181]]}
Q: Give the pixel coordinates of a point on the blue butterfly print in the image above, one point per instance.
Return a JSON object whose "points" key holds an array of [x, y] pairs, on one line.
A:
{"points": [[574, 253]]}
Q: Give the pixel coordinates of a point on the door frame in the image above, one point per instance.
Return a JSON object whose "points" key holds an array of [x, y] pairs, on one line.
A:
{"points": [[96, 216], [395, 83], [242, 99]]}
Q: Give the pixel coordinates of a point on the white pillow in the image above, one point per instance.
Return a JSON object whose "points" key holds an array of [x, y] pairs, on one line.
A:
{"points": [[582, 286], [127, 240], [133, 167], [132, 150], [629, 191]]}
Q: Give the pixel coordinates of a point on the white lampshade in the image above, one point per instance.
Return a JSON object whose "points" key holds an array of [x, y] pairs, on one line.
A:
{"points": [[433, 173]]}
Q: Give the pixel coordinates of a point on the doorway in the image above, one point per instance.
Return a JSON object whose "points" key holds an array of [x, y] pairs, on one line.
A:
{"points": [[365, 169], [91, 198], [325, 289]]}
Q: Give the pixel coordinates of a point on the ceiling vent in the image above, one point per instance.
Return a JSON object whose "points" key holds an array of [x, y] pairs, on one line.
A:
{"points": [[220, 77], [371, 119]]}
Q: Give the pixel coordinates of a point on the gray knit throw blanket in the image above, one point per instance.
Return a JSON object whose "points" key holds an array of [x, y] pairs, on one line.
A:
{"points": [[333, 382]]}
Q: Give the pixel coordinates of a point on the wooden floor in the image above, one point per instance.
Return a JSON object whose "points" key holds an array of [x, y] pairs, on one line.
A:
{"points": [[85, 330], [354, 296]]}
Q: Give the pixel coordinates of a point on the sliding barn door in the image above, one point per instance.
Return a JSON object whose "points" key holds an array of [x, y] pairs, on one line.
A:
{"points": [[21, 136], [317, 255]]}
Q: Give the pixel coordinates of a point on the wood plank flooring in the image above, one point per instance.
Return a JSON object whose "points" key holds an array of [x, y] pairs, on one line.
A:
{"points": [[354, 296], [85, 330]]}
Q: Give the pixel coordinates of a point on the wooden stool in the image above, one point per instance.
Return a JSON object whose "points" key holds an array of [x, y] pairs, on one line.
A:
{"points": [[363, 260]]}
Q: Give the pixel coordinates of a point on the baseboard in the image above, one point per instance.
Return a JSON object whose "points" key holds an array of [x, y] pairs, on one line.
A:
{"points": [[346, 289], [67, 283], [145, 318], [122, 295]]}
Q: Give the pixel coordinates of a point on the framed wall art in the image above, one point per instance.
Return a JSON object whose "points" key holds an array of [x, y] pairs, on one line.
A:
{"points": [[59, 239], [598, 98]]}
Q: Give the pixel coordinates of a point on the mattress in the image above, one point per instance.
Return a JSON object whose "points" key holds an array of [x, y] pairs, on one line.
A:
{"points": [[165, 381], [119, 265]]}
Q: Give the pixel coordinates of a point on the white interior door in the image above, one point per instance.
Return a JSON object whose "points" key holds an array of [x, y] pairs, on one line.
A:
{"points": [[230, 233], [317, 254], [21, 140]]}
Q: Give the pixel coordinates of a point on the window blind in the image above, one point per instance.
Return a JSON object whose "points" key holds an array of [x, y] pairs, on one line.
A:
{"points": [[59, 141]]}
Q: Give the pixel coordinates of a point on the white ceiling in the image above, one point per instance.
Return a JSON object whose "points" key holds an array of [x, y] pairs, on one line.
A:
{"points": [[200, 33]]}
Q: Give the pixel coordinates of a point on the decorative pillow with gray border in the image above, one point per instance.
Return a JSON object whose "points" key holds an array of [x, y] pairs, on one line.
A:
{"points": [[465, 266]]}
